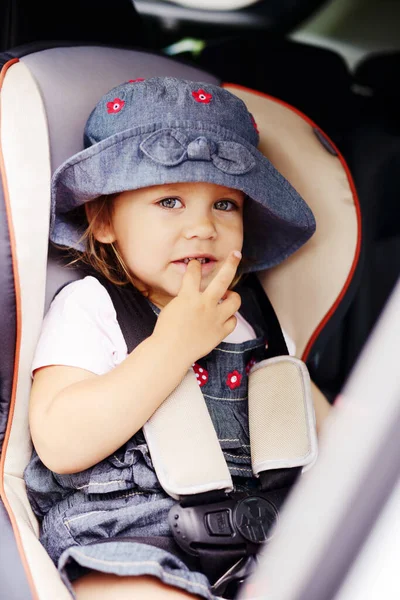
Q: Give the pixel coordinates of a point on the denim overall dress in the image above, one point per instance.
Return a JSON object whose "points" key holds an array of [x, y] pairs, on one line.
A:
{"points": [[104, 518]]}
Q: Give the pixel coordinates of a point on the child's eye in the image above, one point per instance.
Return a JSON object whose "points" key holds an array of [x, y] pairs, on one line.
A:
{"points": [[171, 203], [225, 205]]}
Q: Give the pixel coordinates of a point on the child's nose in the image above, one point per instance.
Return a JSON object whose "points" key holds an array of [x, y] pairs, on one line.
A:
{"points": [[202, 227]]}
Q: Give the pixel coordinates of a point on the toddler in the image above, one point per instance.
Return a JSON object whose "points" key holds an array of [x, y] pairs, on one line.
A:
{"points": [[170, 204]]}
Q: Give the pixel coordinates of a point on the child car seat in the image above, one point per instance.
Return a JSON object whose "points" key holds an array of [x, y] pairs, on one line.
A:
{"points": [[43, 108]]}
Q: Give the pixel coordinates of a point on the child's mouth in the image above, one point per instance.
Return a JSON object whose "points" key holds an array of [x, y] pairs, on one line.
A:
{"points": [[207, 263], [201, 260]]}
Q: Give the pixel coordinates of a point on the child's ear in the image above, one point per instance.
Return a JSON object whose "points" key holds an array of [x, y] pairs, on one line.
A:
{"points": [[99, 219]]}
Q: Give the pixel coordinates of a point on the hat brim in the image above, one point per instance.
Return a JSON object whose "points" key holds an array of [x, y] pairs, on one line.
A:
{"points": [[277, 221]]}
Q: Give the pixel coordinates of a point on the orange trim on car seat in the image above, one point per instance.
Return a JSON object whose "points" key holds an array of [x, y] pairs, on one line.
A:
{"points": [[3, 496], [334, 306]]}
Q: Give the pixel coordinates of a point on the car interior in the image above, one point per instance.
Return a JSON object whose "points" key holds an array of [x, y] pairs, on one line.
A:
{"points": [[332, 130]]}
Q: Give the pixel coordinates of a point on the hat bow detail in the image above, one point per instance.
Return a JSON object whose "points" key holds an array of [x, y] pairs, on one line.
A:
{"points": [[170, 147]]}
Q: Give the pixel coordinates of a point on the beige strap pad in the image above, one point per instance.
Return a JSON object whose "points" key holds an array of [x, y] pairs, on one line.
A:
{"points": [[281, 415], [183, 443]]}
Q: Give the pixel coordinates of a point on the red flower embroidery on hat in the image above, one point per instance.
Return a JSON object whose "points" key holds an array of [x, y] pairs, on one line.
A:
{"points": [[115, 106], [135, 80], [233, 379], [202, 96], [253, 121], [201, 374], [250, 364]]}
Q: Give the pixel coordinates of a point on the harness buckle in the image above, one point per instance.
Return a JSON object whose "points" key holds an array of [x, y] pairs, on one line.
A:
{"points": [[240, 520], [225, 531]]}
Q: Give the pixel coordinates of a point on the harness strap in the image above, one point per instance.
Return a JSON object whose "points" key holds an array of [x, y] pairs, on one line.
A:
{"points": [[135, 316], [257, 310]]}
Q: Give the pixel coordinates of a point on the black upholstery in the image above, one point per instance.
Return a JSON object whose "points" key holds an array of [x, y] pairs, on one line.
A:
{"points": [[91, 21], [374, 146], [315, 80], [371, 146]]}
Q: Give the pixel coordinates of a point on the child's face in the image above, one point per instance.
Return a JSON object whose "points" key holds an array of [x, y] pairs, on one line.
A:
{"points": [[157, 227]]}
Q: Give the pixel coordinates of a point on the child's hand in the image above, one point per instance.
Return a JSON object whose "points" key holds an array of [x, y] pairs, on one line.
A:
{"points": [[196, 322]]}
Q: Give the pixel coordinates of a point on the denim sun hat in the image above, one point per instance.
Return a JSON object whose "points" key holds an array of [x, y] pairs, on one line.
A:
{"points": [[166, 130]]}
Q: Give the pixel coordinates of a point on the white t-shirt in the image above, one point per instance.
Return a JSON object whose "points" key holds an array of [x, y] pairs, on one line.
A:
{"points": [[81, 330]]}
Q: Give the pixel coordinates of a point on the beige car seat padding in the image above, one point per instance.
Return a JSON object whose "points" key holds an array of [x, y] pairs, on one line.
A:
{"points": [[24, 141], [305, 287]]}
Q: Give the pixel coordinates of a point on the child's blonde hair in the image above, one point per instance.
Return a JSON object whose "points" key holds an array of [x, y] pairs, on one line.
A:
{"points": [[105, 257]]}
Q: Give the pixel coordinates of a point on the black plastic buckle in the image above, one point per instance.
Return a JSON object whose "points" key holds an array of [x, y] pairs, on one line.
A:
{"points": [[225, 531], [240, 520]]}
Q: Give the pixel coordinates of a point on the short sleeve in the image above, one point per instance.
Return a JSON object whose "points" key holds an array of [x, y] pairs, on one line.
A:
{"points": [[291, 346], [81, 330]]}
